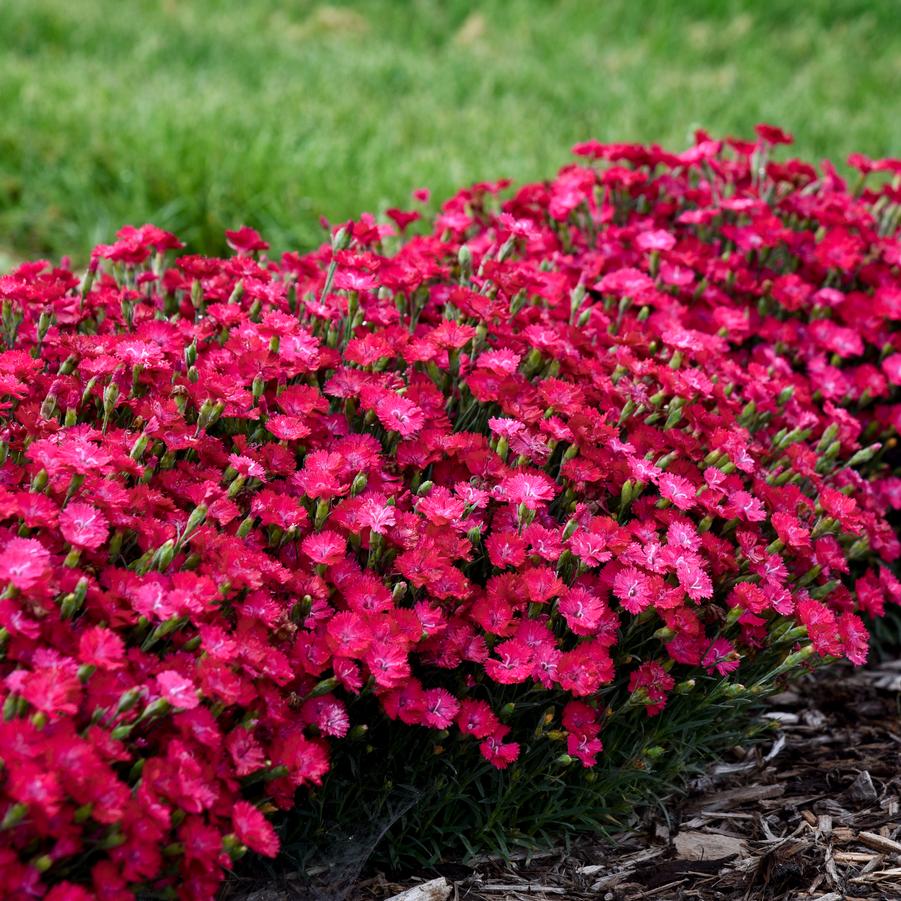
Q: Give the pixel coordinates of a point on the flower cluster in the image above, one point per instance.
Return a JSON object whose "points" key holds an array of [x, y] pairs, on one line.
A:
{"points": [[656, 396]]}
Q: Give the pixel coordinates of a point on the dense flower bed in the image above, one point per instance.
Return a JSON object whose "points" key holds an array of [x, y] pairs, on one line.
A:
{"points": [[651, 397]]}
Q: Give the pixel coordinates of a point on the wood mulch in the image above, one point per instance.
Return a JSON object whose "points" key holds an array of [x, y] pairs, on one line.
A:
{"points": [[814, 815]]}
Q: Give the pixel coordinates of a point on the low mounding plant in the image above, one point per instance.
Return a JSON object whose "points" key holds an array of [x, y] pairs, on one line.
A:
{"points": [[587, 465]]}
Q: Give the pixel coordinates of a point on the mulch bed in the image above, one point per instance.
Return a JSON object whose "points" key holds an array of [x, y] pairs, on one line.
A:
{"points": [[813, 815]]}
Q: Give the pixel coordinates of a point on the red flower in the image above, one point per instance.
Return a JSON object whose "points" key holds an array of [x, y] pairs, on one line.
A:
{"points": [[24, 562], [245, 240], [177, 690], [83, 526], [254, 830]]}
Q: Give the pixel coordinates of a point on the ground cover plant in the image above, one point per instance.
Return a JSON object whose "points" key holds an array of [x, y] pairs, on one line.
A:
{"points": [[197, 116], [545, 487]]}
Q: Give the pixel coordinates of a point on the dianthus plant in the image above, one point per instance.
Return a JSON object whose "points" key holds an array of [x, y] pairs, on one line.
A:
{"points": [[599, 443]]}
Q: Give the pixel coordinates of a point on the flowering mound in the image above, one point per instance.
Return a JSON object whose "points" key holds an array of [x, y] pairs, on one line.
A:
{"points": [[618, 441]]}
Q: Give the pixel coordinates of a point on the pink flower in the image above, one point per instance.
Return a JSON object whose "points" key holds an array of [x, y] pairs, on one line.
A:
{"points": [[83, 526], [254, 830], [499, 753], [177, 690], [678, 490], [721, 656], [102, 648], [400, 415], [24, 562], [245, 240], [440, 708], [532, 489], [633, 588]]}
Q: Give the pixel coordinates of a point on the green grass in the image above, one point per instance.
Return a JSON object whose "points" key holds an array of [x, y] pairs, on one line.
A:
{"points": [[202, 115]]}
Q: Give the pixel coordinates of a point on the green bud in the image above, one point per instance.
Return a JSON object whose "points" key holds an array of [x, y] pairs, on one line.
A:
{"points": [[785, 395], [235, 488], [258, 387], [798, 657], [162, 559], [246, 526], [829, 435], [110, 396], [864, 455], [341, 239], [324, 687], [140, 445], [322, 511], [195, 520], [48, 407], [128, 700], [464, 258], [237, 292]]}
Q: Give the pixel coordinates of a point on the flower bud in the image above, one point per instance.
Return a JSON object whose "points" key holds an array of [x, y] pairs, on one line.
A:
{"points": [[140, 445], [48, 407], [324, 687], [464, 258], [341, 239], [128, 699], [798, 657], [162, 559], [110, 396], [195, 520], [864, 455]]}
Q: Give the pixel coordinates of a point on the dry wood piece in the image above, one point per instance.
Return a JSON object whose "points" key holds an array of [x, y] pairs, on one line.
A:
{"points": [[862, 788], [526, 887], [434, 890], [708, 846], [879, 842]]}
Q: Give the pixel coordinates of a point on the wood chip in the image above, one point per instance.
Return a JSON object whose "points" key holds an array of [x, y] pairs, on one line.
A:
{"points": [[879, 842], [738, 796], [854, 856], [862, 788], [525, 887], [435, 890], [623, 863], [882, 874], [708, 846]]}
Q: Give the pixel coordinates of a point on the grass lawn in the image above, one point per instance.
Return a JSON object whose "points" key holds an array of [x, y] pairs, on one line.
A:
{"points": [[199, 115]]}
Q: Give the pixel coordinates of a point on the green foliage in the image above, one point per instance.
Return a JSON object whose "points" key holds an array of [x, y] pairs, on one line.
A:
{"points": [[407, 797], [201, 115]]}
